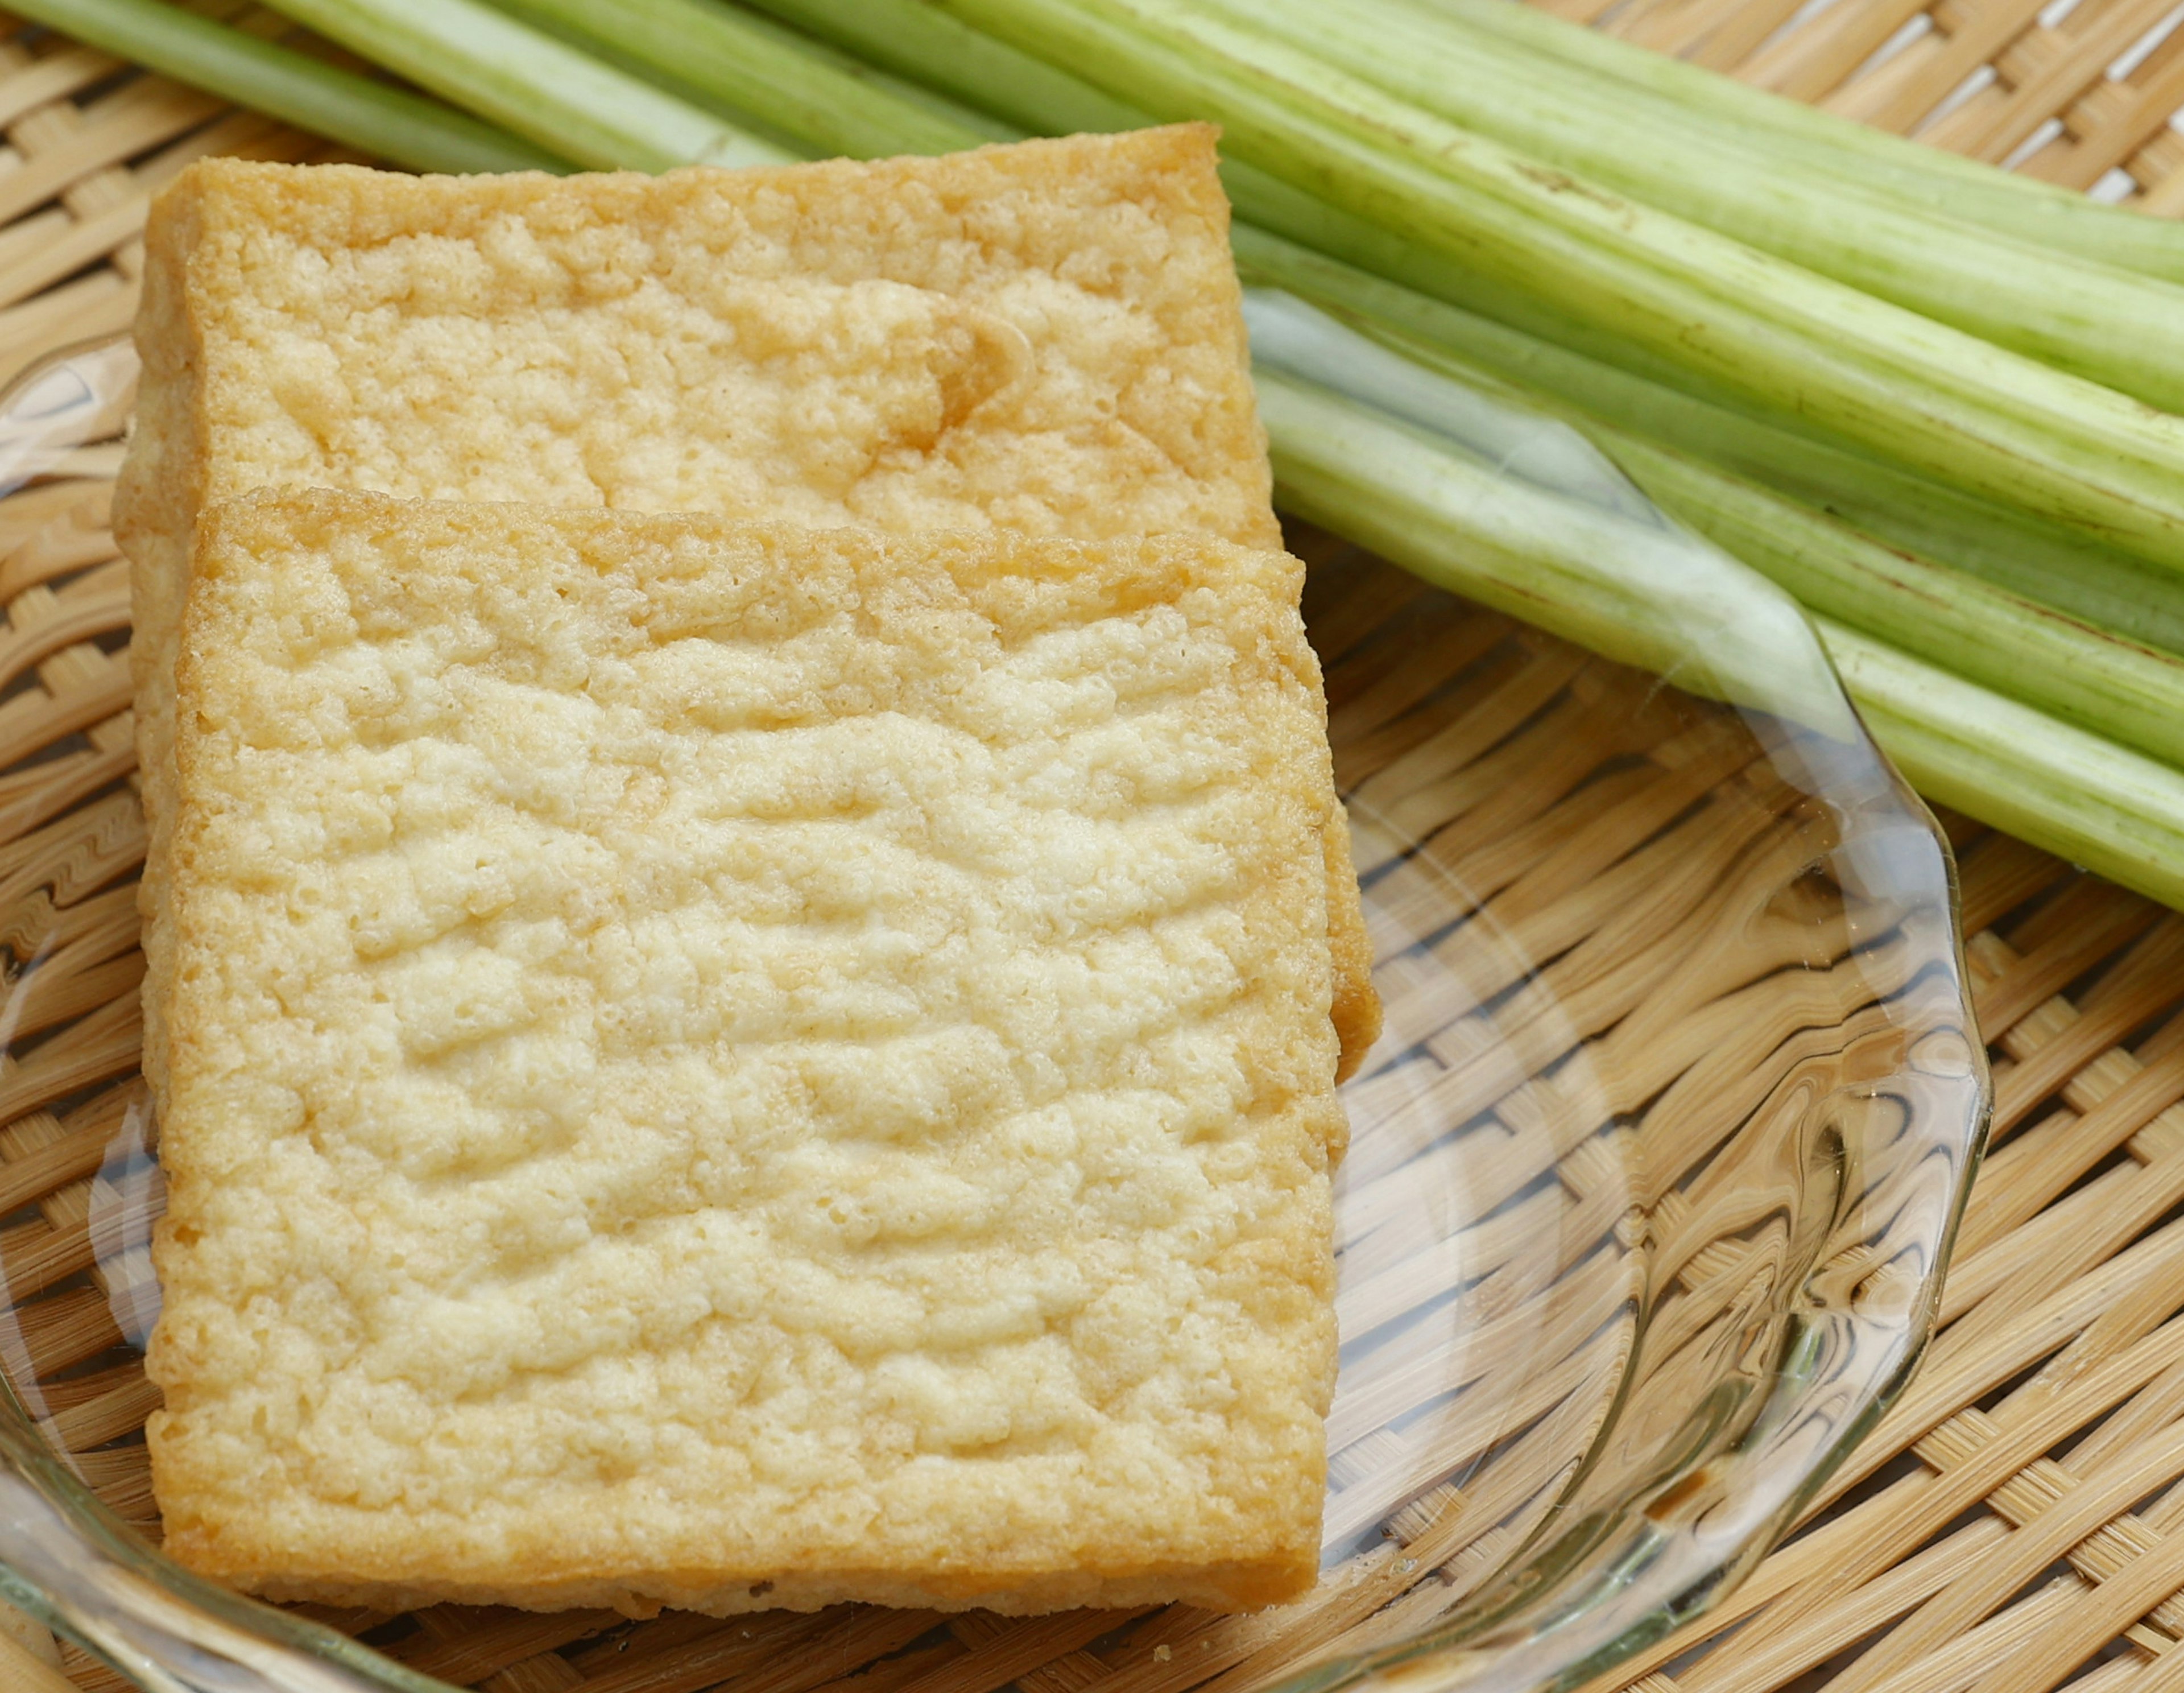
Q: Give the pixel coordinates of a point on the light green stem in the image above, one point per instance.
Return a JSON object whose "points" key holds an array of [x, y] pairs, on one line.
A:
{"points": [[2078, 795], [1641, 594], [388, 123], [1556, 544], [1638, 597], [1895, 508], [821, 102], [2130, 694], [2112, 326], [491, 66], [2116, 688], [1756, 120]]}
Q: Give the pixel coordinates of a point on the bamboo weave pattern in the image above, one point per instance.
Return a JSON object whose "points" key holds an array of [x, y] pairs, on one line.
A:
{"points": [[2018, 1521]]}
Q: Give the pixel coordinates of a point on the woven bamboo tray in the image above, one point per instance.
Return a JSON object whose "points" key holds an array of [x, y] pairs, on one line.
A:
{"points": [[2016, 1521]]}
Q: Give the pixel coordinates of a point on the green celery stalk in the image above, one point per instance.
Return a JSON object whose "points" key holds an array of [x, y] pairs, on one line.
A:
{"points": [[1641, 594], [912, 40], [2116, 688], [1634, 595], [1903, 512], [2078, 795], [2129, 693], [1756, 119], [820, 101], [1894, 383], [539, 87], [389, 122], [2112, 326]]}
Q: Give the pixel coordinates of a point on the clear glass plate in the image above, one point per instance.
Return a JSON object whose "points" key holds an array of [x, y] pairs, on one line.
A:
{"points": [[1651, 1183]]}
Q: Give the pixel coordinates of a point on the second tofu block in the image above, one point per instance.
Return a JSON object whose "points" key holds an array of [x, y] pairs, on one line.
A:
{"points": [[730, 1066], [1044, 338]]}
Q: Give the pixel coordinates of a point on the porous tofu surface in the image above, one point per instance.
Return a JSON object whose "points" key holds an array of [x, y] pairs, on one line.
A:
{"points": [[1045, 337], [733, 1066]]}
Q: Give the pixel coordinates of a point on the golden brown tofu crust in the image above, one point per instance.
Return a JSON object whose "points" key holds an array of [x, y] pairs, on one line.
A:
{"points": [[730, 1066], [1043, 337]]}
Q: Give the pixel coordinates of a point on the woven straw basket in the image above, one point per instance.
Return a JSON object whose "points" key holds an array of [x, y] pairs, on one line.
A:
{"points": [[2017, 1519]]}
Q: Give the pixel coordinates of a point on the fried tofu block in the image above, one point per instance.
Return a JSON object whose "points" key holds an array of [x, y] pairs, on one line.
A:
{"points": [[1044, 338], [730, 1066]]}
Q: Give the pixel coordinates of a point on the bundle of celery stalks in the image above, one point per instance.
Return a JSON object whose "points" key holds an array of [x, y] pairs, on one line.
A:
{"points": [[1932, 400]]}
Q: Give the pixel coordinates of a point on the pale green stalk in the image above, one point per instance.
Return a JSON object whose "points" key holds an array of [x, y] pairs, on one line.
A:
{"points": [[1900, 510], [2129, 693], [820, 100], [389, 123], [1895, 383], [2116, 812], [2116, 688], [1643, 594], [1770, 124], [1635, 597], [491, 66], [2112, 326], [912, 40]]}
